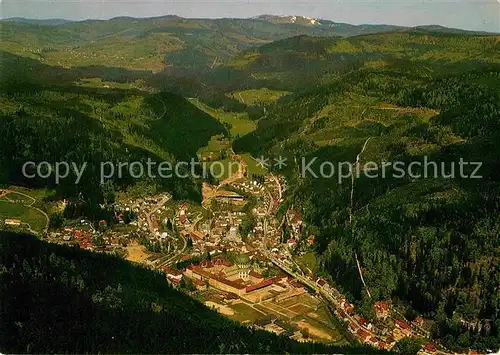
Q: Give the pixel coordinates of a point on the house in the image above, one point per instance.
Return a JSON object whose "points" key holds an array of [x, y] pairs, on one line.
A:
{"points": [[320, 282], [381, 309], [348, 308], [374, 341], [430, 348], [342, 314], [197, 234], [172, 274], [12, 222], [362, 334], [419, 321], [295, 220], [362, 321], [353, 327], [350, 311], [405, 328], [200, 285]]}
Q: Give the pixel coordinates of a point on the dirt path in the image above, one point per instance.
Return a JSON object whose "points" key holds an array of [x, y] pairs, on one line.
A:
{"points": [[33, 200], [351, 206]]}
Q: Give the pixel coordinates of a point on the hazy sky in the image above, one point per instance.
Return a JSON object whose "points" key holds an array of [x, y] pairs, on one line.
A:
{"points": [[469, 14]]}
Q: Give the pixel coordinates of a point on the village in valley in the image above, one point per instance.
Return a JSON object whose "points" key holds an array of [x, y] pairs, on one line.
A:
{"points": [[233, 254]]}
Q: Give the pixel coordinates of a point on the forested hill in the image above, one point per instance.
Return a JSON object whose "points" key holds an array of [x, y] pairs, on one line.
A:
{"points": [[48, 115], [56, 299], [431, 243], [171, 43]]}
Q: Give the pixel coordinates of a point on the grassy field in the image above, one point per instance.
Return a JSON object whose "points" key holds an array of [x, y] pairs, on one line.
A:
{"points": [[228, 167], [99, 83], [243, 312], [37, 194], [252, 167], [239, 122], [308, 261], [26, 214], [19, 199], [256, 96]]}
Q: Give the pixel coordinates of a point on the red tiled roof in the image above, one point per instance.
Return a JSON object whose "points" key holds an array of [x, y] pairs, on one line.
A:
{"points": [[373, 340], [381, 306], [206, 264], [402, 324], [362, 333], [430, 348], [362, 321], [221, 261], [198, 270], [259, 285], [419, 320], [171, 271], [198, 282], [295, 216]]}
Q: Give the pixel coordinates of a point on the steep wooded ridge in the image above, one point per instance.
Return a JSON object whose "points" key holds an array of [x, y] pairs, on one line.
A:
{"points": [[66, 123], [72, 301], [432, 242]]}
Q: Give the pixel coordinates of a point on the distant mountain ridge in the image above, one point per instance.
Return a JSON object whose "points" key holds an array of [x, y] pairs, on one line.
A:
{"points": [[168, 43], [275, 19], [45, 22]]}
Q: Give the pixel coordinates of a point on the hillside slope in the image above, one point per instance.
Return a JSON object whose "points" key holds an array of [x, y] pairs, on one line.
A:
{"points": [[46, 116], [431, 242], [56, 299], [171, 43]]}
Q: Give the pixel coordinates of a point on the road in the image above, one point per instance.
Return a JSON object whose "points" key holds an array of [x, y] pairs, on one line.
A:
{"points": [[313, 286], [351, 207], [174, 258], [156, 208]]}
